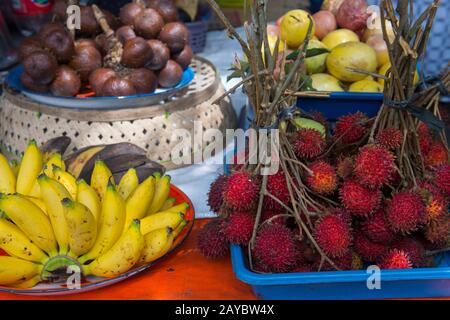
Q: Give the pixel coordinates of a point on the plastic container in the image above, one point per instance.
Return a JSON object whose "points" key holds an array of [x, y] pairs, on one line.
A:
{"points": [[411, 283], [31, 15], [198, 31]]}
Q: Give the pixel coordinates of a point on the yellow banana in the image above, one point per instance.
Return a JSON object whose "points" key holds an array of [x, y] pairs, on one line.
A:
{"points": [[76, 166], [52, 194], [54, 161], [7, 177], [157, 244], [181, 226], [169, 203], [31, 220], [27, 283], [87, 196], [112, 220], [139, 201], [161, 220], [182, 207], [15, 166], [101, 175], [30, 168], [14, 270], [39, 203], [82, 227], [162, 189], [121, 257], [35, 190], [67, 180], [128, 183], [17, 244]]}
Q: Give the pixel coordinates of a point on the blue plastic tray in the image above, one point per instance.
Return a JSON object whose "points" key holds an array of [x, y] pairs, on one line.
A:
{"points": [[411, 283]]}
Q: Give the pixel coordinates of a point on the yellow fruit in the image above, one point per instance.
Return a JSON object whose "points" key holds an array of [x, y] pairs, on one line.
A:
{"points": [[15, 166], [316, 64], [128, 183], [162, 189], [272, 43], [35, 191], [180, 228], [67, 180], [76, 166], [157, 244], [351, 55], [325, 82], [294, 27], [168, 204], [101, 176], [87, 196], [384, 69], [7, 177], [30, 168], [161, 220], [16, 270], [365, 86], [38, 202], [139, 201], [54, 161], [337, 37]]}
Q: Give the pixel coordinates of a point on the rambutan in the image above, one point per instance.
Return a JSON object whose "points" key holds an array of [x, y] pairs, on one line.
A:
{"points": [[438, 231], [436, 204], [425, 138], [215, 198], [389, 138], [323, 179], [241, 191], [413, 248], [405, 212], [359, 200], [344, 167], [341, 213], [441, 178], [269, 214], [377, 229], [437, 155], [211, 240], [303, 268], [374, 166], [395, 259], [368, 250], [333, 235], [238, 228], [342, 263], [275, 248], [277, 186], [308, 143], [351, 128]]}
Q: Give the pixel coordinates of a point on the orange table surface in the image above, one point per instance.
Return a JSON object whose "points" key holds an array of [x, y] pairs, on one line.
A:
{"points": [[184, 275]]}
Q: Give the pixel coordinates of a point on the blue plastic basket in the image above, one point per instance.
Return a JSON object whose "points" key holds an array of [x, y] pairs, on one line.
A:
{"points": [[410, 283]]}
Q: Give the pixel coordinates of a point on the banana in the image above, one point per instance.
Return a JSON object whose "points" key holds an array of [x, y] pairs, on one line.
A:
{"points": [[161, 220], [157, 244], [14, 270], [182, 207], [27, 283], [15, 166], [52, 194], [55, 145], [77, 161], [67, 180], [128, 183], [35, 191], [54, 161], [112, 220], [17, 244], [31, 220], [39, 203], [162, 189], [7, 177], [101, 175], [30, 168], [87, 196], [121, 257], [169, 203], [139, 201], [82, 227], [177, 231]]}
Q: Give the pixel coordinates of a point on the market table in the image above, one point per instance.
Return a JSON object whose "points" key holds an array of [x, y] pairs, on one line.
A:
{"points": [[185, 275]]}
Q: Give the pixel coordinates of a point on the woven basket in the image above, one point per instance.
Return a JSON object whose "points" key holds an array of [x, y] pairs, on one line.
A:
{"points": [[150, 127]]}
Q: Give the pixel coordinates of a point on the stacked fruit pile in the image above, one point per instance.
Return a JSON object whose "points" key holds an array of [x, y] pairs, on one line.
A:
{"points": [[50, 221], [135, 53], [353, 35], [370, 215]]}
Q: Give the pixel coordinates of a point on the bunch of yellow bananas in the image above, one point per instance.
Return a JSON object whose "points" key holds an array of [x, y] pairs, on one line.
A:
{"points": [[50, 221]]}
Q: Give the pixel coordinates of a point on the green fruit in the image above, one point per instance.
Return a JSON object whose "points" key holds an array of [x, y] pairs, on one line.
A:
{"points": [[304, 123], [316, 64]]}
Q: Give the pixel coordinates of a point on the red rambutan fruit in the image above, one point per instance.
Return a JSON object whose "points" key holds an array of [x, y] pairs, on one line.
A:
{"points": [[238, 228], [269, 214], [308, 143], [376, 228], [351, 128], [303, 268], [342, 263], [389, 138], [413, 248], [374, 166], [437, 155], [211, 241], [277, 186], [323, 180], [441, 178], [395, 259], [241, 191], [438, 231], [436, 204], [215, 198], [425, 138], [342, 214], [275, 248], [344, 167], [333, 235], [359, 200], [368, 250], [405, 212]]}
